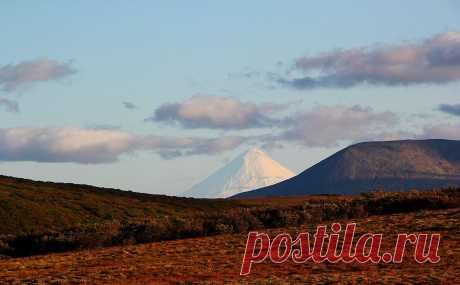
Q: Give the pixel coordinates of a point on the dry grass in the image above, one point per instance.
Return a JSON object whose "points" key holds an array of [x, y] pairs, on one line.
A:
{"points": [[217, 260]]}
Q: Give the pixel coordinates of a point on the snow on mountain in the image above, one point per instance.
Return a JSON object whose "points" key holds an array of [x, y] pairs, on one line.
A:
{"points": [[251, 170]]}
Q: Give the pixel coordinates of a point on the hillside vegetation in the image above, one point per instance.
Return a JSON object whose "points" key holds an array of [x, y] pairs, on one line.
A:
{"points": [[217, 260], [41, 217], [29, 207]]}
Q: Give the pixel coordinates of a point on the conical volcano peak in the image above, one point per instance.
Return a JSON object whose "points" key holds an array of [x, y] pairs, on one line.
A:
{"points": [[254, 153], [255, 150], [250, 170]]}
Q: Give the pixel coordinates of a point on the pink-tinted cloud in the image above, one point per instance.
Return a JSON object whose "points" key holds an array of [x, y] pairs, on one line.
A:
{"points": [[215, 112], [14, 76], [433, 61]]}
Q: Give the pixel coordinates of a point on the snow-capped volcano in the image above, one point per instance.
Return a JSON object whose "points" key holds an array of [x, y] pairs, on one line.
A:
{"points": [[251, 170]]}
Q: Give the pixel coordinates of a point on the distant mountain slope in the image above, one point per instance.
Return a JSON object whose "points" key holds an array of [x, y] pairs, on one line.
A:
{"points": [[251, 170], [391, 165]]}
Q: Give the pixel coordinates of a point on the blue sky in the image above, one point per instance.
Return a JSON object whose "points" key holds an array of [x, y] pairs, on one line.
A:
{"points": [[66, 67]]}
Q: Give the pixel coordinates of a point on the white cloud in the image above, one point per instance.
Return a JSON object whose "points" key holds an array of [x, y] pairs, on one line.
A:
{"points": [[67, 144], [79, 145], [441, 131], [328, 126]]}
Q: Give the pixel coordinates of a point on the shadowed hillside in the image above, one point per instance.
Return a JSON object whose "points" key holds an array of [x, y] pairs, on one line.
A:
{"points": [[42, 217], [29, 207], [392, 165]]}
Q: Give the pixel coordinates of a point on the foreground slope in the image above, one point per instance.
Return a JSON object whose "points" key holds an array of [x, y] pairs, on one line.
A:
{"points": [[217, 260], [251, 170], [391, 165], [40, 217]]}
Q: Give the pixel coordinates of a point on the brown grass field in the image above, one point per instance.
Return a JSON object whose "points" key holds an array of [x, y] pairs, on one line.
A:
{"points": [[217, 260]]}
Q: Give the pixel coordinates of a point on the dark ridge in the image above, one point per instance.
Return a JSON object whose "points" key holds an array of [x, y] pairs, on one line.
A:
{"points": [[368, 166]]}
